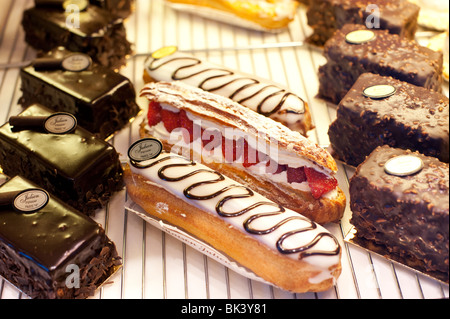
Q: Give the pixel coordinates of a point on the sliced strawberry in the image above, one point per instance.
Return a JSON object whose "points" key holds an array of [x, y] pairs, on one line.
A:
{"points": [[154, 113], [275, 168], [170, 119], [319, 183], [296, 175], [211, 138], [187, 124], [251, 156], [232, 149]]}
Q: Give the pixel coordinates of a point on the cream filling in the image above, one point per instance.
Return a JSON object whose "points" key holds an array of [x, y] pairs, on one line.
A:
{"points": [[302, 239], [259, 169]]}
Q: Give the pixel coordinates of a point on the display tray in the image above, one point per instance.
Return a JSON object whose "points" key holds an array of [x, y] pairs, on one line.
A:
{"points": [[157, 265]]}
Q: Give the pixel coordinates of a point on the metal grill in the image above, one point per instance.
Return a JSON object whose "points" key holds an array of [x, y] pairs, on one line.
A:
{"points": [[155, 264]]}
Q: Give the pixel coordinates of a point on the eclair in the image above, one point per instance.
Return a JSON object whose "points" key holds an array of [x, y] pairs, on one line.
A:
{"points": [[261, 15], [260, 95], [278, 245], [248, 147]]}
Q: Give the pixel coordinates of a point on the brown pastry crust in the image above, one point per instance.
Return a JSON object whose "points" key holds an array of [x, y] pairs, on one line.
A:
{"points": [[223, 112], [303, 126], [284, 272]]}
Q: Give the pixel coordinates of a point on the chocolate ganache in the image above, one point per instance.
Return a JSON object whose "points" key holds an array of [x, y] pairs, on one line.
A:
{"points": [[37, 247], [79, 168], [212, 190]]}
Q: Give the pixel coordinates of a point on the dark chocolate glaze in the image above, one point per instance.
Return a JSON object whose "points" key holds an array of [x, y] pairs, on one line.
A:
{"points": [[387, 55], [99, 33], [413, 118], [102, 100], [42, 244], [409, 215], [78, 167], [248, 83], [304, 250]]}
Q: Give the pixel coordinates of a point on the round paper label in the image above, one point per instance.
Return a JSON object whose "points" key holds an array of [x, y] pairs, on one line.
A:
{"points": [[60, 123], [380, 91], [81, 4], [145, 149], [76, 62], [163, 52], [403, 165], [31, 200], [360, 36]]}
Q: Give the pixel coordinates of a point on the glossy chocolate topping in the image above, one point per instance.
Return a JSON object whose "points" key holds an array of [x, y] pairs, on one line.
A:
{"points": [[91, 85], [50, 238], [70, 154]]}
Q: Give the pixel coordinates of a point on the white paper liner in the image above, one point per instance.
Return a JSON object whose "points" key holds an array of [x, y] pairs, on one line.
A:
{"points": [[191, 241]]}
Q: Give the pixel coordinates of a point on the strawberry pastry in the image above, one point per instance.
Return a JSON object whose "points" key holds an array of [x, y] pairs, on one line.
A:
{"points": [[245, 146]]}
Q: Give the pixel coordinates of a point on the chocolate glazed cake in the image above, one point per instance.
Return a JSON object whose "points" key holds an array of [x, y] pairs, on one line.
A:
{"points": [[102, 100], [327, 16], [92, 30], [79, 168], [55, 252], [350, 53], [380, 110], [400, 202]]}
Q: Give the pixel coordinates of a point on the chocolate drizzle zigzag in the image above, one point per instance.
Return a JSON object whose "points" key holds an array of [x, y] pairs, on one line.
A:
{"points": [[305, 250], [223, 74]]}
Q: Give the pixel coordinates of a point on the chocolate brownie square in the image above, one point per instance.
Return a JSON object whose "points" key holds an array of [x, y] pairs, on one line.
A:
{"points": [[354, 50], [381, 110], [400, 201], [327, 16]]}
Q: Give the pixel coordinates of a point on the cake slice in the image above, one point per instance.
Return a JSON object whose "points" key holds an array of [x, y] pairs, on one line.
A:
{"points": [[327, 16], [55, 252], [79, 168], [102, 100], [400, 201], [354, 50], [381, 110], [94, 31]]}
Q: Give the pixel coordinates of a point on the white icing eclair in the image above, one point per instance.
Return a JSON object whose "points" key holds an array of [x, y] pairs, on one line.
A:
{"points": [[280, 246], [260, 95], [261, 15], [248, 147]]}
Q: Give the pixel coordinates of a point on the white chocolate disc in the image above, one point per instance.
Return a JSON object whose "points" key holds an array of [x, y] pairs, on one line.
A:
{"points": [[360, 36], [403, 165]]}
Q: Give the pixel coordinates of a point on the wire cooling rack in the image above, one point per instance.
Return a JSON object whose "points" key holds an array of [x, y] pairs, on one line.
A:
{"points": [[157, 265]]}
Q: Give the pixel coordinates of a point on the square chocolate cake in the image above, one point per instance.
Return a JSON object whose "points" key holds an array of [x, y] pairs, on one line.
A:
{"points": [[381, 110], [327, 16], [102, 100], [91, 30], [79, 168], [354, 50], [52, 251], [400, 201]]}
